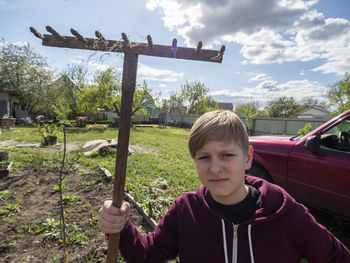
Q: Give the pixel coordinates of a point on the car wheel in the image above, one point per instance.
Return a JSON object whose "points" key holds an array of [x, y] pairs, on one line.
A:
{"points": [[258, 171]]}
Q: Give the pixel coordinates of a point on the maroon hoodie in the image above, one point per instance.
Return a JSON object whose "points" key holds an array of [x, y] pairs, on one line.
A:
{"points": [[194, 229]]}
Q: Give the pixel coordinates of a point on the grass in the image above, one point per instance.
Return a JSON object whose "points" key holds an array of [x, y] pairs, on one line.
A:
{"points": [[156, 174]]}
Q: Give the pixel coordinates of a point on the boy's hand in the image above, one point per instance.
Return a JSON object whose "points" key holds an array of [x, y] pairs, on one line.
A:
{"points": [[112, 219]]}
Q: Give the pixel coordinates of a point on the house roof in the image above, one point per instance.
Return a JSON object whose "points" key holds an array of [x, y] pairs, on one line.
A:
{"points": [[225, 105], [64, 78], [314, 107]]}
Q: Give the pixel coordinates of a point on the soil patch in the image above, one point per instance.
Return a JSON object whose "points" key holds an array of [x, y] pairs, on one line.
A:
{"points": [[37, 203]]}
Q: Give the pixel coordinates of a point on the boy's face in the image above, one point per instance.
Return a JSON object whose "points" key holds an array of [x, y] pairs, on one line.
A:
{"points": [[221, 168]]}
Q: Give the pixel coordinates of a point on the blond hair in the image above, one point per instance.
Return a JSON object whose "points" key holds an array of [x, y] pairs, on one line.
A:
{"points": [[218, 125]]}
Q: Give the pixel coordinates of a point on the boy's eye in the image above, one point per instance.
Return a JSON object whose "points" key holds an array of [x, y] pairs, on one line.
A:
{"points": [[202, 157], [228, 155]]}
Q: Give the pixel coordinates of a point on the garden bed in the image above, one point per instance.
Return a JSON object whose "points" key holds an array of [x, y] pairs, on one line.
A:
{"points": [[29, 214]]}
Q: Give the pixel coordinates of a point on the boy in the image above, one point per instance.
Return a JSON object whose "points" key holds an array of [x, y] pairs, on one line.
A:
{"points": [[231, 217]]}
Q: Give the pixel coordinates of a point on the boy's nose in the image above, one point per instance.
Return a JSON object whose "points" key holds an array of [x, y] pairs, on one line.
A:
{"points": [[215, 166]]}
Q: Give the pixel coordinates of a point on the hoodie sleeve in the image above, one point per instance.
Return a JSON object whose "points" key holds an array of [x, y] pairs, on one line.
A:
{"points": [[158, 246], [318, 245]]}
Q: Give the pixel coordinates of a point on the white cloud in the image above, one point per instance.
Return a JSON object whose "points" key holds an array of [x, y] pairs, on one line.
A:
{"points": [[209, 19], [269, 89], [259, 77], [165, 75], [269, 31]]}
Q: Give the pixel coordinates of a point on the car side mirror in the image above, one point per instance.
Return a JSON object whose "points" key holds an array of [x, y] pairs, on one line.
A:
{"points": [[313, 144]]}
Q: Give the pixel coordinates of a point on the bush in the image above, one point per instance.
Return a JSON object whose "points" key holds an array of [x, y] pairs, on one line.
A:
{"points": [[307, 128]]}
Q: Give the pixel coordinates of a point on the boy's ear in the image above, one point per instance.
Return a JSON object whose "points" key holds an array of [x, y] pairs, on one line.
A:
{"points": [[249, 159]]}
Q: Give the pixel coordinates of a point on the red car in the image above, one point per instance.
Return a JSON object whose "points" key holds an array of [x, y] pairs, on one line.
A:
{"points": [[314, 168]]}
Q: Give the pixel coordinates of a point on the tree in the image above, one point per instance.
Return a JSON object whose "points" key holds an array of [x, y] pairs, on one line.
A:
{"points": [[175, 102], [339, 95], [142, 98], [25, 72], [106, 94], [282, 107], [86, 100], [108, 88], [310, 102], [248, 110], [64, 97], [77, 74], [192, 99]]}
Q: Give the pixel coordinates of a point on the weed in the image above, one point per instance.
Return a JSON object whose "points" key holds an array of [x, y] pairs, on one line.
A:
{"points": [[27, 228], [50, 227], [29, 189], [76, 237], [90, 260], [10, 209], [56, 188], [93, 220], [83, 172], [16, 236], [71, 199], [54, 258], [28, 258], [10, 220], [6, 195], [88, 183]]}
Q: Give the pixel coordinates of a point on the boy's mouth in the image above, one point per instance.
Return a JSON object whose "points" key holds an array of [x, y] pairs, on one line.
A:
{"points": [[218, 180]]}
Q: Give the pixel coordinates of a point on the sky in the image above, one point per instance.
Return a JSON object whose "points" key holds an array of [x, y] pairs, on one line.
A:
{"points": [[274, 48]]}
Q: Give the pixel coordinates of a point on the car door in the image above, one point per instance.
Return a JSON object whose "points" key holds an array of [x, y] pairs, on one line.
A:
{"points": [[323, 178]]}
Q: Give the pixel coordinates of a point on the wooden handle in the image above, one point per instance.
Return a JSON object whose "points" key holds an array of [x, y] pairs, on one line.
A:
{"points": [[128, 89]]}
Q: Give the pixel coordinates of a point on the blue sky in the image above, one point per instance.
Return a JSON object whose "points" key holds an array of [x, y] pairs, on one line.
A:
{"points": [[274, 48]]}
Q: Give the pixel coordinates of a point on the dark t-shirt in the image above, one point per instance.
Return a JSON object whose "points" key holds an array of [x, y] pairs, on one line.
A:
{"points": [[243, 210]]}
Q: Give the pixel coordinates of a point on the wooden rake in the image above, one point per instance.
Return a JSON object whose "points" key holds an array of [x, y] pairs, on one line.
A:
{"points": [[131, 51]]}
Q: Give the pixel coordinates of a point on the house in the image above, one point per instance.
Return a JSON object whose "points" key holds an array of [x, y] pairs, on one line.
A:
{"points": [[225, 106], [314, 112], [7, 103]]}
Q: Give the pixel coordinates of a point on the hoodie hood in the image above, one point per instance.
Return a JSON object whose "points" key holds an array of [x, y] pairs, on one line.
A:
{"points": [[274, 201]]}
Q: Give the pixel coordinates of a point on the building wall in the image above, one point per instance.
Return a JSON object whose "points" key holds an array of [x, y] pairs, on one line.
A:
{"points": [[5, 104]]}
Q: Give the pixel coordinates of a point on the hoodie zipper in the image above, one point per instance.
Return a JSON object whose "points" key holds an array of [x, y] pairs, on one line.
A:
{"points": [[235, 243]]}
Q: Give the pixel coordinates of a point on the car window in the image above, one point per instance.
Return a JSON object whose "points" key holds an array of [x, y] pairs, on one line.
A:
{"points": [[337, 137], [342, 126]]}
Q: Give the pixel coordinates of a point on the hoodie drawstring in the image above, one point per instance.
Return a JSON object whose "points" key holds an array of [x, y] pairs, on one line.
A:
{"points": [[250, 243], [224, 237], [235, 242]]}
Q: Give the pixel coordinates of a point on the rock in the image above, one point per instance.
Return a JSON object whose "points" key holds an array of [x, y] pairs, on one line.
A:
{"points": [[97, 145]]}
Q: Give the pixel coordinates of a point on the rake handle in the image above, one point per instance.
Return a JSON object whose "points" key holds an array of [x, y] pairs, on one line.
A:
{"points": [[128, 89]]}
